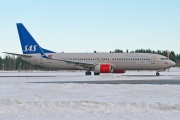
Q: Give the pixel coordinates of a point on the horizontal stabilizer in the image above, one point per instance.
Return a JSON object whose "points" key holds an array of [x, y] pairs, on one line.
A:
{"points": [[21, 55]]}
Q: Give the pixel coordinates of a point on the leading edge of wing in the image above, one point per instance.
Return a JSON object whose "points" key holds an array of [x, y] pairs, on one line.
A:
{"points": [[76, 63], [22, 55]]}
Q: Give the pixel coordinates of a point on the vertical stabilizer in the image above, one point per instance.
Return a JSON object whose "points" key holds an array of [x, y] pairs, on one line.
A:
{"points": [[28, 43]]}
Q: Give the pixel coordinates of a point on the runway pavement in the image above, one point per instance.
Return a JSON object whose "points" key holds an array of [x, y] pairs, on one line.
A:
{"points": [[81, 79], [167, 81]]}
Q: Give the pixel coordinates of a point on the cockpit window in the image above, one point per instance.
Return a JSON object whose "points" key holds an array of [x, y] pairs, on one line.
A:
{"points": [[164, 59]]}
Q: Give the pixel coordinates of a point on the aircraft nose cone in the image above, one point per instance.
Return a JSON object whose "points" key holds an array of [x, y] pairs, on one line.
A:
{"points": [[173, 64]]}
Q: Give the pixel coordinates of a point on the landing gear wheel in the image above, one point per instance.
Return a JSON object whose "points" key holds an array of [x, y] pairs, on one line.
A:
{"points": [[96, 73], [157, 74], [88, 73]]}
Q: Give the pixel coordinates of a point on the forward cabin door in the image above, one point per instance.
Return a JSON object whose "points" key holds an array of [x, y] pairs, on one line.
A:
{"points": [[153, 59]]}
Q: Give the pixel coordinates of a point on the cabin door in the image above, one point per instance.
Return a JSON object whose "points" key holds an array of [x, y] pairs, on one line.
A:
{"points": [[153, 59]]}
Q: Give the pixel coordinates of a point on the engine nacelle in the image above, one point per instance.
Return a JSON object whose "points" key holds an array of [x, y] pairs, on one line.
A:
{"points": [[103, 68], [119, 71]]}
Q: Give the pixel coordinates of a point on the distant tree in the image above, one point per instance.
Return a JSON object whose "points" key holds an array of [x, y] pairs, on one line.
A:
{"points": [[172, 56], [1, 63], [148, 51], [118, 51], [127, 51], [178, 57]]}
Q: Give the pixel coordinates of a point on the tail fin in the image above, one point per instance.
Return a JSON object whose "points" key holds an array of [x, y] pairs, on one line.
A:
{"points": [[28, 43]]}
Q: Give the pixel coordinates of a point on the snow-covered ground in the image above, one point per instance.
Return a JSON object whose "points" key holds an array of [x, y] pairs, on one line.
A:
{"points": [[22, 99]]}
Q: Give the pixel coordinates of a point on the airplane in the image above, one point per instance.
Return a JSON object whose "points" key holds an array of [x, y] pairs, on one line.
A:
{"points": [[97, 62]]}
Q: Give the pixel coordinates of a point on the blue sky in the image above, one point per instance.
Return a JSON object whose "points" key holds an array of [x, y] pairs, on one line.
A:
{"points": [[88, 25]]}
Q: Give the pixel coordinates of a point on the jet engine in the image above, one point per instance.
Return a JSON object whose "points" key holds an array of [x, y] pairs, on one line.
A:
{"points": [[103, 68]]}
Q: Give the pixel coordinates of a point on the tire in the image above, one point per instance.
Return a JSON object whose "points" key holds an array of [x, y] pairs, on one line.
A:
{"points": [[88, 73], [96, 73], [157, 74]]}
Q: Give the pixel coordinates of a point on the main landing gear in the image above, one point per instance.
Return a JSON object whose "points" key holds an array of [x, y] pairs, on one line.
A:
{"points": [[157, 74], [88, 73], [96, 73]]}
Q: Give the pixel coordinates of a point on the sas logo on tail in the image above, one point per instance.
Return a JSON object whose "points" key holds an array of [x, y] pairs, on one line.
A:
{"points": [[30, 48]]}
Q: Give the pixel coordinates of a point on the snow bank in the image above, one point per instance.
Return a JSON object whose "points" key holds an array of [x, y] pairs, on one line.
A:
{"points": [[19, 109]]}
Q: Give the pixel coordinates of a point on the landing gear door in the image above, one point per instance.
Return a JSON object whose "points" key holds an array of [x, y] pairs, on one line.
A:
{"points": [[153, 59]]}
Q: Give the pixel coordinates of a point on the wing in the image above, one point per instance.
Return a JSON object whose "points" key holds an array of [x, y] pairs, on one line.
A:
{"points": [[77, 63], [21, 55]]}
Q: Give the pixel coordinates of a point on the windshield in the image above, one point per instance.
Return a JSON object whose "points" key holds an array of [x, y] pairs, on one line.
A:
{"points": [[164, 59]]}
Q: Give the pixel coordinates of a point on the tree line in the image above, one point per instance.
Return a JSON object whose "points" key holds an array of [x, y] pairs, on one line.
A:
{"points": [[172, 56], [10, 62]]}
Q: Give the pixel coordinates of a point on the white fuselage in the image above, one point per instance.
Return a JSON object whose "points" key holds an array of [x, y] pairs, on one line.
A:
{"points": [[119, 61]]}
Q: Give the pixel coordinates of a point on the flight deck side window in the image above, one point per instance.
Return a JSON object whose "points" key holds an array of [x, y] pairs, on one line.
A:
{"points": [[164, 59]]}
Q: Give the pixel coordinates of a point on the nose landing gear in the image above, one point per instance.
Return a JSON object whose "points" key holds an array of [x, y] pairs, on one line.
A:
{"points": [[157, 74]]}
